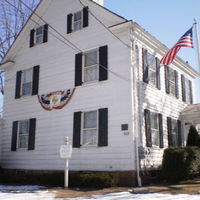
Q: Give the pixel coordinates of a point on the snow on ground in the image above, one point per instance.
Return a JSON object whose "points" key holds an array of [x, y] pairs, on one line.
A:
{"points": [[41, 193]]}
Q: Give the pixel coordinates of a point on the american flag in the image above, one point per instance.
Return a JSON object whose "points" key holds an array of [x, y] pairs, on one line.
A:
{"points": [[184, 41]]}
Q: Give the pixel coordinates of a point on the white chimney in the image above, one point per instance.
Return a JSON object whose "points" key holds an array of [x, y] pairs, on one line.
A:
{"points": [[101, 2]]}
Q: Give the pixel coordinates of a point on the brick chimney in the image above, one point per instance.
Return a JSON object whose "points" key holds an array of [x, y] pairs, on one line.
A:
{"points": [[101, 2]]}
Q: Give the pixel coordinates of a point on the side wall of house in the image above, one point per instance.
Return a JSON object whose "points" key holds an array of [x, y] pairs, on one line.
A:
{"points": [[157, 101], [57, 72]]}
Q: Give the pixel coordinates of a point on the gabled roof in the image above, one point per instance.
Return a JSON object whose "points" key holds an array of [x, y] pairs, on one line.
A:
{"points": [[191, 108]]}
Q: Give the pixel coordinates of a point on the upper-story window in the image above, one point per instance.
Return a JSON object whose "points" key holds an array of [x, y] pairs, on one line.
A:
{"points": [[187, 92], [171, 81], [27, 82], [39, 35], [91, 66], [78, 20], [151, 69]]}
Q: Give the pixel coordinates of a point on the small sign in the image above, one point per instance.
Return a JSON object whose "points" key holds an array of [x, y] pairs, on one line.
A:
{"points": [[65, 151]]}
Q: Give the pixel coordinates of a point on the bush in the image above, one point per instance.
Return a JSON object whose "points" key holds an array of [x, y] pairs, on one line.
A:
{"points": [[181, 163], [193, 137], [94, 180]]}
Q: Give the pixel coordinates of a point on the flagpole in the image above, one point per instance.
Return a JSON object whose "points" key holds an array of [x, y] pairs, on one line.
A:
{"points": [[197, 38]]}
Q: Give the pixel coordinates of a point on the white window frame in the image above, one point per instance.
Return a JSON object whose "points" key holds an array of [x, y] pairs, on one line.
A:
{"points": [[39, 35], [153, 130], [22, 135], [23, 83], [85, 129], [91, 66], [152, 70], [172, 82], [80, 21]]}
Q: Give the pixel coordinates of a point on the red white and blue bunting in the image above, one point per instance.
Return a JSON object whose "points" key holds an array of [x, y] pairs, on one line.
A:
{"points": [[56, 100]]}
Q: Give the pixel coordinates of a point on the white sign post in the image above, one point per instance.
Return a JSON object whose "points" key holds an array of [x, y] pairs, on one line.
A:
{"points": [[65, 153]]}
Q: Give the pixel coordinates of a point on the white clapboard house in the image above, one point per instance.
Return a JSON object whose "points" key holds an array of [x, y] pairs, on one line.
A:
{"points": [[82, 71]]}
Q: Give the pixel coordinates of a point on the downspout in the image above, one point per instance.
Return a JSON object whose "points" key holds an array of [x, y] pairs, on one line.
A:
{"points": [[135, 110]]}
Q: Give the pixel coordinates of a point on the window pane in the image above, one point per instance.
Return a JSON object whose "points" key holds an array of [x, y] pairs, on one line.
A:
{"points": [[90, 137], [172, 88], [77, 25], [171, 75], [90, 119], [151, 61], [152, 77], [27, 75], [155, 137], [77, 16], [23, 127], [39, 31], [154, 121], [91, 73], [39, 39], [26, 88], [91, 58], [23, 141]]}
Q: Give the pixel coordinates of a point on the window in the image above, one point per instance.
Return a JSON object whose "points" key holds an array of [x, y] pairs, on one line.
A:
{"points": [[154, 129], [23, 134], [171, 81], [151, 69], [78, 20], [90, 128], [27, 82], [89, 131], [174, 132], [91, 66], [39, 35], [187, 94]]}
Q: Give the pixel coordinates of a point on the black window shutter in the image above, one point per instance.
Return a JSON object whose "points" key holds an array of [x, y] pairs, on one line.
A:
{"points": [[31, 139], [85, 17], [14, 136], [77, 130], [176, 84], [145, 66], [103, 127], [169, 128], [167, 83], [103, 63], [183, 88], [18, 85], [36, 70], [32, 36], [45, 33], [160, 130], [78, 69], [158, 73], [179, 133], [148, 127], [69, 23], [191, 92]]}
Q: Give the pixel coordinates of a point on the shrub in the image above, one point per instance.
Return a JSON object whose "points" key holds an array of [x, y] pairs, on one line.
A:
{"points": [[181, 163], [193, 137], [94, 180]]}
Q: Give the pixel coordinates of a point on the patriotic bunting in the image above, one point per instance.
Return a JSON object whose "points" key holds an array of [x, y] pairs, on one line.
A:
{"points": [[56, 100]]}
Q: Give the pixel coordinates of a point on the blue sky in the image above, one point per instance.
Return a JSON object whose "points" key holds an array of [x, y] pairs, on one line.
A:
{"points": [[167, 20]]}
